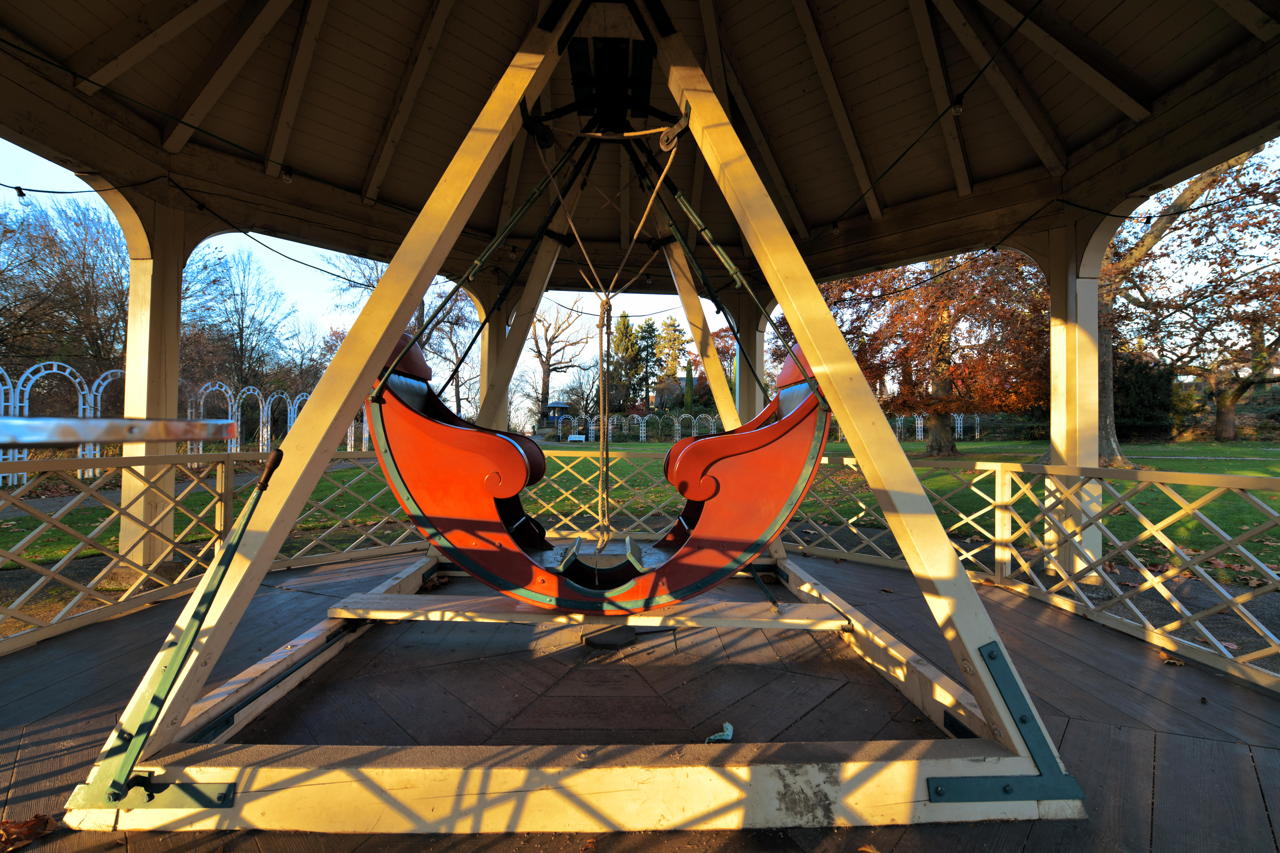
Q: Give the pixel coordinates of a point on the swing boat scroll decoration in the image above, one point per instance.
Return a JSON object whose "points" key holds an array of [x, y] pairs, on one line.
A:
{"points": [[460, 483]]}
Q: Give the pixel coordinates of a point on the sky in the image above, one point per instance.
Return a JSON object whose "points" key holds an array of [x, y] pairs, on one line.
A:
{"points": [[317, 300]]}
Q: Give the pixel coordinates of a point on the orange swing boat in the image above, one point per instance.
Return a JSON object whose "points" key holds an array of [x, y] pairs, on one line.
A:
{"points": [[460, 485]]}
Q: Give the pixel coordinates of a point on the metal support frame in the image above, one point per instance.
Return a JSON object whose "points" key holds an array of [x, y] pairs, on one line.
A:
{"points": [[714, 786]]}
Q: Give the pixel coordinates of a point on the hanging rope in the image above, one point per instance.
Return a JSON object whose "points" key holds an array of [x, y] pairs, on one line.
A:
{"points": [[604, 333]]}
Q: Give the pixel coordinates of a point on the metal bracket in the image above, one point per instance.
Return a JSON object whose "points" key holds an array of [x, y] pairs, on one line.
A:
{"points": [[145, 793], [1051, 784]]}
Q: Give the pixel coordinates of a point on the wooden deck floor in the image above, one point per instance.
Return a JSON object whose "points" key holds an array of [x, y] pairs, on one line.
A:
{"points": [[1170, 758]]}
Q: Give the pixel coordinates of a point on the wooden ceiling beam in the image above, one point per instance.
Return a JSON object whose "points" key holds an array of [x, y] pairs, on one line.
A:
{"points": [[1003, 75], [244, 40], [406, 95], [113, 53], [765, 153], [941, 90], [1070, 59], [304, 49], [714, 63], [1249, 16], [838, 110]]}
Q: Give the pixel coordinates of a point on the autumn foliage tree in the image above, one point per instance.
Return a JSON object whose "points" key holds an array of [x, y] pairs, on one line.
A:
{"points": [[962, 334]]}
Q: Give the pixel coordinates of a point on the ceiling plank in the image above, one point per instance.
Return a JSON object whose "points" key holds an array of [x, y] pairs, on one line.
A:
{"points": [[838, 110], [113, 53], [923, 21], [766, 154], [304, 49], [246, 40], [1086, 71], [406, 95], [1249, 16], [1003, 75]]}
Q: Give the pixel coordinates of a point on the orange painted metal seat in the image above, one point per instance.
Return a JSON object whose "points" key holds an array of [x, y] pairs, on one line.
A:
{"points": [[741, 488]]}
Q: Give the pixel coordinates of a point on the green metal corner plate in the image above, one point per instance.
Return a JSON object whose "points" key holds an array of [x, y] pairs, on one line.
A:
{"points": [[1051, 784], [146, 794]]}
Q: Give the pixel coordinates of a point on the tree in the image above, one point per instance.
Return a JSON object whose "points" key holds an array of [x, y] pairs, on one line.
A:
{"points": [[1133, 257], [1201, 284], [557, 344], [625, 366], [938, 342], [647, 358], [64, 285], [671, 349]]}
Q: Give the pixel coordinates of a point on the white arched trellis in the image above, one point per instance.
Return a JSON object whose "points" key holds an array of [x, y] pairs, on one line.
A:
{"points": [[268, 410], [919, 427], [675, 427], [249, 392], [682, 419], [707, 424], [6, 401], [20, 404], [295, 406], [198, 408]]}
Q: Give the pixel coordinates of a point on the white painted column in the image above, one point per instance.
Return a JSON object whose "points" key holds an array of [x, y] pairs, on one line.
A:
{"points": [[159, 241], [1073, 394]]}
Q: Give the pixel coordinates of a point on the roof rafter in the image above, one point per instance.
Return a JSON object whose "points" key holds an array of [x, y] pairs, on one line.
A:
{"points": [[304, 48], [1023, 105], [765, 152], [923, 21], [244, 40], [424, 49], [1070, 59], [1249, 16], [112, 54], [838, 110]]}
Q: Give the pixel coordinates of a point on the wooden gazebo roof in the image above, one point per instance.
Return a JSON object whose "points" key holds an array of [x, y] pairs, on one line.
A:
{"points": [[329, 121]]}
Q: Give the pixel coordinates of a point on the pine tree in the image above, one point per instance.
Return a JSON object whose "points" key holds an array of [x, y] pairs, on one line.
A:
{"points": [[671, 348], [647, 358], [625, 367]]}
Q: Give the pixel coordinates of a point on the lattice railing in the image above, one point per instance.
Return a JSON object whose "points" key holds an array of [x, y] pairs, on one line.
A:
{"points": [[77, 549], [1185, 561]]}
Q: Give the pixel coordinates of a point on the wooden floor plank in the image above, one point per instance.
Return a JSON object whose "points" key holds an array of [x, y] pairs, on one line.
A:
{"points": [[764, 713], [852, 712], [1114, 767], [748, 646], [1267, 762], [704, 698], [242, 841], [490, 692], [427, 712], [1207, 796]]}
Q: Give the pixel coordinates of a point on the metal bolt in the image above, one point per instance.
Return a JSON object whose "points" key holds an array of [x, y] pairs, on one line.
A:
{"points": [[993, 654], [1024, 719], [939, 790], [1008, 789]]}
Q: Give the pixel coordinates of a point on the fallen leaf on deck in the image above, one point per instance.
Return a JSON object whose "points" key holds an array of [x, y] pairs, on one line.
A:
{"points": [[1231, 646], [20, 833], [885, 589], [1170, 660], [868, 848]]}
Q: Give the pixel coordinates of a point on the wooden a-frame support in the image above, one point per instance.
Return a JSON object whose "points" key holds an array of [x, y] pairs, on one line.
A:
{"points": [[1014, 775]]}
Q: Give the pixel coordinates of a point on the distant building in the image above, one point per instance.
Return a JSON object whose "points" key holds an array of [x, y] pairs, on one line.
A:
{"points": [[552, 413]]}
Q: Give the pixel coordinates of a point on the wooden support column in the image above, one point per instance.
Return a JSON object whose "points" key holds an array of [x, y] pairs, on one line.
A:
{"points": [[749, 323], [928, 552], [702, 340], [497, 369], [1073, 397], [159, 240], [334, 402]]}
